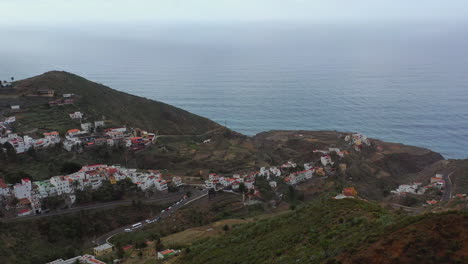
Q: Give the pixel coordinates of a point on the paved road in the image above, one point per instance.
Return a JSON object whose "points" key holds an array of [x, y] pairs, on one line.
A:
{"points": [[447, 194], [171, 197], [197, 194]]}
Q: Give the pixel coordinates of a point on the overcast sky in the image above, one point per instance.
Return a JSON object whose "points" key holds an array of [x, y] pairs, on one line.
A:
{"points": [[16, 12]]}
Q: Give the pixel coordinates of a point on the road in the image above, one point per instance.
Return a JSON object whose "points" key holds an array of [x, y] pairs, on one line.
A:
{"points": [[171, 197], [197, 194], [447, 194]]}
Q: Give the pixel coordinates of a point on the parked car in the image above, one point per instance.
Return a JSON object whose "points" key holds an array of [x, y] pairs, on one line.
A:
{"points": [[148, 221], [163, 211], [128, 230]]}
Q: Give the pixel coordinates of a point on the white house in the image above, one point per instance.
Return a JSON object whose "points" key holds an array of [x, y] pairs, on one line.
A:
{"points": [[69, 144], [99, 123], [264, 172], [86, 126], [161, 185], [76, 115], [62, 184], [45, 188], [326, 160], [23, 189], [275, 171], [177, 181]]}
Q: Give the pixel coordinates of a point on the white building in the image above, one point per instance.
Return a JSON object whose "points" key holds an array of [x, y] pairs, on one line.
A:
{"points": [[326, 160], [23, 189], [87, 127], [99, 123], [161, 185], [76, 115], [62, 184], [177, 181]]}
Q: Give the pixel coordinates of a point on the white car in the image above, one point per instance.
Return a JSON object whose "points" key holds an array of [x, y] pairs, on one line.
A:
{"points": [[163, 211], [148, 221], [128, 230]]}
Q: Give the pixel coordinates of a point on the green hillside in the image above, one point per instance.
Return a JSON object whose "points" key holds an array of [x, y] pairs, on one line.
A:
{"points": [[97, 101], [321, 232]]}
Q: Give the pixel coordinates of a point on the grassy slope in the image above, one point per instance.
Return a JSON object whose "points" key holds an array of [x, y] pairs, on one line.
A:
{"points": [[320, 232], [308, 235], [96, 101]]}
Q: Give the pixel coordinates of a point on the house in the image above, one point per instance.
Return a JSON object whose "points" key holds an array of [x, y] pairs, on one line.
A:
{"points": [[23, 189], [167, 253], [4, 189], [62, 184], [15, 107], [76, 115], [326, 160], [272, 184], [73, 132], [99, 123], [160, 184], [177, 181], [437, 178], [45, 92], [350, 192], [86, 259], [86, 127], [25, 212], [102, 249], [45, 188], [70, 143]]}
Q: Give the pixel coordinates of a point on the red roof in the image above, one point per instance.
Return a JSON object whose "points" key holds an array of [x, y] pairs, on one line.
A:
{"points": [[3, 184], [24, 211], [73, 130], [24, 201], [26, 180], [127, 247]]}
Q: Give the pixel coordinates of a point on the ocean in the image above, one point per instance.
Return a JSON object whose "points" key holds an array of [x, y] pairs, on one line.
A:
{"points": [[398, 83]]}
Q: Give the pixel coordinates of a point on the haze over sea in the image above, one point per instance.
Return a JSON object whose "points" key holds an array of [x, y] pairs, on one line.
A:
{"points": [[403, 83]]}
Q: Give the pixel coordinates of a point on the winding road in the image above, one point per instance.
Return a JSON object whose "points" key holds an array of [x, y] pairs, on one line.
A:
{"points": [[197, 194]]}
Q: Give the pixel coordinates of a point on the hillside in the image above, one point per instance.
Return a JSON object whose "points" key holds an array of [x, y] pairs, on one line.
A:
{"points": [[97, 101], [332, 231]]}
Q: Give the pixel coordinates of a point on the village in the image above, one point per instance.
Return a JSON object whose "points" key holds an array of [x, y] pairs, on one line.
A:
{"points": [[29, 194]]}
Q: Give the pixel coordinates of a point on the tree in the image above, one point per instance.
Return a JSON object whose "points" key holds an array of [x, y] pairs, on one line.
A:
{"points": [[70, 167], [226, 228], [158, 246]]}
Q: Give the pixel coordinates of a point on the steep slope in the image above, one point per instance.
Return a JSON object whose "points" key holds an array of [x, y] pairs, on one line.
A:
{"points": [[339, 231], [309, 235], [96, 100], [432, 239]]}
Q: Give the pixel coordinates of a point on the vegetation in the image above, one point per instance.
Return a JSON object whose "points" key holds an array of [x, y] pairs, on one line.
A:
{"points": [[100, 102], [325, 231], [63, 236]]}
